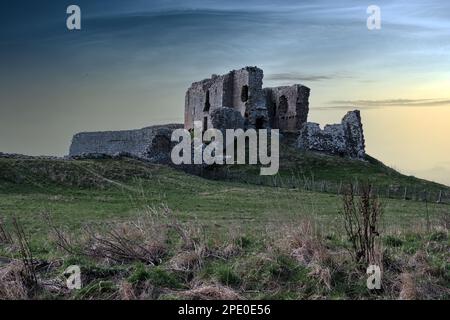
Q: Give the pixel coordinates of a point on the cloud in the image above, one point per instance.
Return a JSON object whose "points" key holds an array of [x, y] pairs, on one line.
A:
{"points": [[372, 104], [346, 107], [296, 76]]}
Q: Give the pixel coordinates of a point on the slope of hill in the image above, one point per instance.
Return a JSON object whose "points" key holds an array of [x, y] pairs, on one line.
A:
{"points": [[302, 170], [249, 222]]}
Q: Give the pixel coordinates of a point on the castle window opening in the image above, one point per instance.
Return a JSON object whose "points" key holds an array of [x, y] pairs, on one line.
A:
{"points": [[244, 93], [207, 103]]}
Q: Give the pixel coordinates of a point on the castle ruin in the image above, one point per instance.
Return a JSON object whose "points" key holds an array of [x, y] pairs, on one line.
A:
{"points": [[284, 108], [232, 101]]}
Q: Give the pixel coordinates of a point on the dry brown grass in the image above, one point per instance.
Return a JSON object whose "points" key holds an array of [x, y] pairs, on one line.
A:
{"points": [[408, 289], [126, 242], [143, 239], [304, 243], [12, 286], [230, 250], [126, 291], [188, 261], [210, 292], [156, 237], [419, 263]]}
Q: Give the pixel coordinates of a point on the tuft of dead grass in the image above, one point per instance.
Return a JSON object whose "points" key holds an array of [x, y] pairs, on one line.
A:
{"points": [[419, 263], [408, 289], [210, 292], [308, 249], [126, 291], [12, 285], [188, 261]]}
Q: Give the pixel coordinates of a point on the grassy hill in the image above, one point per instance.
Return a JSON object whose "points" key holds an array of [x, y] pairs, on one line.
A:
{"points": [[230, 207], [77, 191], [321, 172]]}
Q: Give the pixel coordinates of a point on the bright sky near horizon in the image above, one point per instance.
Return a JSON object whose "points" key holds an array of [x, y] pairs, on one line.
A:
{"points": [[131, 63]]}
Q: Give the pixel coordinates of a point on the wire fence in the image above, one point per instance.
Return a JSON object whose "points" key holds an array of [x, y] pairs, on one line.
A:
{"points": [[297, 181]]}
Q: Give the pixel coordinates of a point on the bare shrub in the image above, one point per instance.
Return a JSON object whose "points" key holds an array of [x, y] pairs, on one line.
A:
{"points": [[29, 272], [60, 237], [361, 221], [125, 242], [143, 239]]}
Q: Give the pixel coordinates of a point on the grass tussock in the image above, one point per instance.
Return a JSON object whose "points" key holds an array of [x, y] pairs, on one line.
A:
{"points": [[156, 255], [12, 284], [210, 292]]}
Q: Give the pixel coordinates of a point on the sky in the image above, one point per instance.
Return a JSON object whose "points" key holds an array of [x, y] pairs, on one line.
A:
{"points": [[132, 62]]}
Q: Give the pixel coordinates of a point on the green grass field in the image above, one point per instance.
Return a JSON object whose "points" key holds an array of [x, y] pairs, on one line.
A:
{"points": [[100, 192]]}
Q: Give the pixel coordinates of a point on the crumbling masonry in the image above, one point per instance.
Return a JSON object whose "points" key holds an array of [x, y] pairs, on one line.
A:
{"points": [[284, 108], [237, 100], [231, 101]]}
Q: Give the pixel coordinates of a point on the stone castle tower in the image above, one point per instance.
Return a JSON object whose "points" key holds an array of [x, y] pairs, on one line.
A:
{"points": [[237, 99]]}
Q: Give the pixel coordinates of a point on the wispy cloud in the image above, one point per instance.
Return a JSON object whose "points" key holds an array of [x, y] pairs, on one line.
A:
{"points": [[371, 104], [341, 107], [296, 76]]}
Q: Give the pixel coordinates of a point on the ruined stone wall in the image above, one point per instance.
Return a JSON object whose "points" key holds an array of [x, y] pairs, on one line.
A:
{"points": [[344, 139], [147, 143], [240, 90], [288, 107], [205, 96], [201, 98], [255, 114]]}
